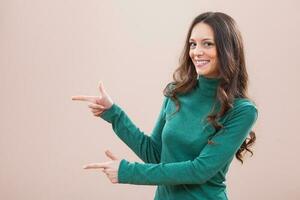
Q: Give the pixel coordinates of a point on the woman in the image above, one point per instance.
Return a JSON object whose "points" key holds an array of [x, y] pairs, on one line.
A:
{"points": [[204, 121]]}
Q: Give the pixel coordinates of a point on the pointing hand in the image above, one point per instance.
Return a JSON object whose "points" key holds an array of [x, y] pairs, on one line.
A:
{"points": [[98, 104], [110, 168]]}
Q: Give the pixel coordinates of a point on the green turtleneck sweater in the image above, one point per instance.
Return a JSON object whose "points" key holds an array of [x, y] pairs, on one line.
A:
{"points": [[184, 155]]}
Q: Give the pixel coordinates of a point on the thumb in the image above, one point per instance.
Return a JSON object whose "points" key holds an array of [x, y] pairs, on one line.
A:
{"points": [[110, 155], [101, 88]]}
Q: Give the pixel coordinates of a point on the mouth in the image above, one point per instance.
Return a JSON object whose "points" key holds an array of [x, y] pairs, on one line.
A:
{"points": [[201, 63]]}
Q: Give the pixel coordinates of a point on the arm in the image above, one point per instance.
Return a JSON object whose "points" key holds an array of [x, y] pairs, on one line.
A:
{"points": [[211, 159], [148, 148]]}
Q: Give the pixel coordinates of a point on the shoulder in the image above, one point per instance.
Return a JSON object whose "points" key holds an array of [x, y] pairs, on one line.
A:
{"points": [[243, 108], [244, 103]]}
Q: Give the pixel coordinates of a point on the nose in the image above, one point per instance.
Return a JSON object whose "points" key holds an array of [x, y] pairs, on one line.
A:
{"points": [[198, 51]]}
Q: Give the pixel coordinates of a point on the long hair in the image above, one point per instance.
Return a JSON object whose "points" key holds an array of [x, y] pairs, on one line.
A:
{"points": [[233, 73]]}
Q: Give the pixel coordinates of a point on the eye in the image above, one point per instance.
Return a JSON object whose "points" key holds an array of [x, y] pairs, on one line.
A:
{"points": [[191, 43], [208, 44]]}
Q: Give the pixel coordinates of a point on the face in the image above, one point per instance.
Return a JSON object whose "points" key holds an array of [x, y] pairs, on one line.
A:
{"points": [[203, 51]]}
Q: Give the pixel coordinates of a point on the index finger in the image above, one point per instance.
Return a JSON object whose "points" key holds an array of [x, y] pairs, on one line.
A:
{"points": [[84, 98], [96, 166]]}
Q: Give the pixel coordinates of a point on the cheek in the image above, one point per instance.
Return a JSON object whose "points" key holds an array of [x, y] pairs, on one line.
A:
{"points": [[215, 62], [214, 57], [213, 54]]}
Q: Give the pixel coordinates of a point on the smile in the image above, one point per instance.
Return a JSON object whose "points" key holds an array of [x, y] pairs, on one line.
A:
{"points": [[201, 63]]}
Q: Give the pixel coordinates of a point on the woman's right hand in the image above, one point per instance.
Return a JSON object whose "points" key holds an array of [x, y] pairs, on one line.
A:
{"points": [[98, 104]]}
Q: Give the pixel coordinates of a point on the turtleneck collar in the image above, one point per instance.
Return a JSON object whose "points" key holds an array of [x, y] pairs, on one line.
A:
{"points": [[207, 86]]}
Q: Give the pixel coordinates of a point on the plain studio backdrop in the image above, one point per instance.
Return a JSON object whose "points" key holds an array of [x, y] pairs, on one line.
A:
{"points": [[53, 49]]}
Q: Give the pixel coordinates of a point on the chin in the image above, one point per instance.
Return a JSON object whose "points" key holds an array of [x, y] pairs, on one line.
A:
{"points": [[206, 71], [201, 72]]}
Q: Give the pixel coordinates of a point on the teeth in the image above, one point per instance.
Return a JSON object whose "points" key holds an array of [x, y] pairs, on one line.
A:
{"points": [[202, 61]]}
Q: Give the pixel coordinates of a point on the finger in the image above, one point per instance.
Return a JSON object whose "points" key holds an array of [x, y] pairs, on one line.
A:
{"points": [[108, 170], [101, 88], [114, 180], [97, 114], [111, 176], [110, 155], [85, 98], [94, 111], [96, 165], [96, 106], [108, 173]]}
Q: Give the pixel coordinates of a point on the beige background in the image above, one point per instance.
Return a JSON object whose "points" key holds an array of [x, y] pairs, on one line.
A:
{"points": [[53, 49]]}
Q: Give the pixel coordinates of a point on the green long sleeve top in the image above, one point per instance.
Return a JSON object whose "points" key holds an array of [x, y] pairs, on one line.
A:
{"points": [[179, 155]]}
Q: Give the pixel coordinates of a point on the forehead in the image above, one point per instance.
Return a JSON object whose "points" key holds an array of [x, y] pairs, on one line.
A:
{"points": [[202, 31]]}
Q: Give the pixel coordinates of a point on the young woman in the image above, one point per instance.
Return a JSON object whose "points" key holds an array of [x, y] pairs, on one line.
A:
{"points": [[204, 121]]}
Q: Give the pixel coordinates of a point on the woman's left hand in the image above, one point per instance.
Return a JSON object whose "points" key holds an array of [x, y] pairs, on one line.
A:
{"points": [[110, 168]]}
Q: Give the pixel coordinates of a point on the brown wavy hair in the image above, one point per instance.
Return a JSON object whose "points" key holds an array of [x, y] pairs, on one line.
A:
{"points": [[233, 73]]}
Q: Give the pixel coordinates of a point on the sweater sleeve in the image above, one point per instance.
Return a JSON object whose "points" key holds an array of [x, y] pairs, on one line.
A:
{"points": [[212, 158], [147, 148]]}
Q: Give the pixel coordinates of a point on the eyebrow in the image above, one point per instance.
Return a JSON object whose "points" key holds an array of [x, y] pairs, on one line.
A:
{"points": [[192, 39]]}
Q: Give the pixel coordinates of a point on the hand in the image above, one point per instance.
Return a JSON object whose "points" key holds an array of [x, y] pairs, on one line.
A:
{"points": [[110, 168], [97, 104]]}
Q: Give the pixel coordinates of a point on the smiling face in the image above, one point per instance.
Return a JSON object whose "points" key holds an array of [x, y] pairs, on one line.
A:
{"points": [[203, 51]]}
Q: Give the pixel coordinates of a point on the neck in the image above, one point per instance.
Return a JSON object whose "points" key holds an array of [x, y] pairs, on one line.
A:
{"points": [[208, 86]]}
